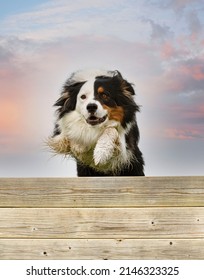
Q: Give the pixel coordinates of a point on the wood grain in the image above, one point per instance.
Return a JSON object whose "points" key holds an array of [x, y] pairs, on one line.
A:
{"points": [[88, 249], [85, 223], [102, 218], [102, 192]]}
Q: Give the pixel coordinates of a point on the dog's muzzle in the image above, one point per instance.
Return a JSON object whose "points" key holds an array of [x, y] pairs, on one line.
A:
{"points": [[93, 119]]}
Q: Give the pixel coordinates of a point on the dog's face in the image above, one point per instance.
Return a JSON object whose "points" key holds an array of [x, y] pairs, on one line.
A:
{"points": [[99, 99], [89, 106]]}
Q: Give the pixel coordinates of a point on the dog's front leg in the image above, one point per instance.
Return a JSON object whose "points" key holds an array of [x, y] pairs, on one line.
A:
{"points": [[105, 146], [59, 144]]}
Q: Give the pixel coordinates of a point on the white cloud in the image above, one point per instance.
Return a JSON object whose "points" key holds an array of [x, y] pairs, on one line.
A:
{"points": [[58, 19]]}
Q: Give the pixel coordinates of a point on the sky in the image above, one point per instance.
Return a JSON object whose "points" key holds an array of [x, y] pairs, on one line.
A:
{"points": [[157, 44]]}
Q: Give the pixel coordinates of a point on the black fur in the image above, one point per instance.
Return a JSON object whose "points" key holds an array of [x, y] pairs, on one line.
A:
{"points": [[66, 102], [114, 89]]}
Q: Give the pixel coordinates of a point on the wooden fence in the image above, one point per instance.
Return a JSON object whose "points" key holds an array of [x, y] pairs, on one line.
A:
{"points": [[102, 218]]}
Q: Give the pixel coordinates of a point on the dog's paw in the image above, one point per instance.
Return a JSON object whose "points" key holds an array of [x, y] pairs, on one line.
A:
{"points": [[105, 146]]}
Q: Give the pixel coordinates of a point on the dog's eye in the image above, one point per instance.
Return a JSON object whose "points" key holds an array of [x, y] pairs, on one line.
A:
{"points": [[83, 96], [105, 96]]}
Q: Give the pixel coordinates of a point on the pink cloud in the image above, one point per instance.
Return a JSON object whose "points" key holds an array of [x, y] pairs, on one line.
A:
{"points": [[167, 50], [178, 5], [193, 71], [183, 76], [198, 72], [197, 113], [185, 121], [182, 133], [188, 112]]}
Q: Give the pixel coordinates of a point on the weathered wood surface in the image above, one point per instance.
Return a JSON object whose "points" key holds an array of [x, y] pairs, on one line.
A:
{"points": [[89, 249], [102, 192], [102, 223], [102, 218]]}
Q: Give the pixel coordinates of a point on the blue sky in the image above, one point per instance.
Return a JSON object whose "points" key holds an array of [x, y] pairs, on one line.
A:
{"points": [[13, 7], [157, 45]]}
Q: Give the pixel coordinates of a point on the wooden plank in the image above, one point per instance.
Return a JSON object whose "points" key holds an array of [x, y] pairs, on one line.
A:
{"points": [[75, 249], [102, 223], [103, 192]]}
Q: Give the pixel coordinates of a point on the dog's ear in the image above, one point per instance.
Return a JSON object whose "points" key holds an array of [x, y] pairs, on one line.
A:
{"points": [[117, 74], [69, 92], [68, 99], [126, 86], [60, 102]]}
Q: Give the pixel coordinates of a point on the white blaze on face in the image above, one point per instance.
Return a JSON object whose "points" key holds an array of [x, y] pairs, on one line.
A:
{"points": [[85, 97]]}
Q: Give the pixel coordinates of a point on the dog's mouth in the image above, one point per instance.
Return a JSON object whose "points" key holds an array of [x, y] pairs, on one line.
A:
{"points": [[93, 120]]}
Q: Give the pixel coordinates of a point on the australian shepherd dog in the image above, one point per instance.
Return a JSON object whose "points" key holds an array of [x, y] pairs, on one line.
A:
{"points": [[96, 124]]}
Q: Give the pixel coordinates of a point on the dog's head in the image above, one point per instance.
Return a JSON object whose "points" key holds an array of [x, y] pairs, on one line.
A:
{"points": [[98, 98]]}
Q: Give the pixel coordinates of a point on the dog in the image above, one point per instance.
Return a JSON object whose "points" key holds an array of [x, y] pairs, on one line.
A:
{"points": [[96, 124]]}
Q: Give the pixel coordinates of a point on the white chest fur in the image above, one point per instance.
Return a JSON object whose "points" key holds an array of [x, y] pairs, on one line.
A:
{"points": [[102, 147]]}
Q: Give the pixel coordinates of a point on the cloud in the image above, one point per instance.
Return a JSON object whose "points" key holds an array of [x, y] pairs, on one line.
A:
{"points": [[178, 5], [168, 50], [184, 77], [183, 134], [159, 32], [176, 93], [195, 26], [194, 71], [60, 19], [183, 114], [190, 109]]}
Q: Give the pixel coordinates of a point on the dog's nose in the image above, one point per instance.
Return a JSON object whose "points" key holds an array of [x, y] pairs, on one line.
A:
{"points": [[92, 107]]}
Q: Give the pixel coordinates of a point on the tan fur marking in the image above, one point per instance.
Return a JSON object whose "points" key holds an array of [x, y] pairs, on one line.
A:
{"points": [[100, 90], [116, 113]]}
